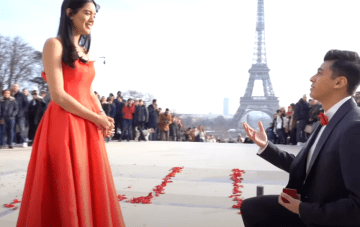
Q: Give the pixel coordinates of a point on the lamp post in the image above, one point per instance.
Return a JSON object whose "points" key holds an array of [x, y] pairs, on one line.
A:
{"points": [[99, 58]]}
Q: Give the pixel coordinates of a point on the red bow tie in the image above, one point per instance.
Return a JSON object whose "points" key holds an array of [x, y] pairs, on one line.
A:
{"points": [[323, 119]]}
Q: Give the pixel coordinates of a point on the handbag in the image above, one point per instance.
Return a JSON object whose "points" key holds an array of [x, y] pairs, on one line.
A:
{"points": [[308, 129]]}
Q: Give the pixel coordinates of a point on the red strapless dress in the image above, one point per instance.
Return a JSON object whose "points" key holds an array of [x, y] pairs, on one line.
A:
{"points": [[69, 181]]}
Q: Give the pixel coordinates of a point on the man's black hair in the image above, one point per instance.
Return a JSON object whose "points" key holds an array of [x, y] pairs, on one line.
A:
{"points": [[5, 90], [167, 109], [154, 100], [347, 64]]}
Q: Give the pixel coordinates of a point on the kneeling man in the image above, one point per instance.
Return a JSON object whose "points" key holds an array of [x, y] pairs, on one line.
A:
{"points": [[326, 172]]}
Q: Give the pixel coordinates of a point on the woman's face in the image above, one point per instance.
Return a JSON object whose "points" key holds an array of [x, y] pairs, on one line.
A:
{"points": [[84, 19]]}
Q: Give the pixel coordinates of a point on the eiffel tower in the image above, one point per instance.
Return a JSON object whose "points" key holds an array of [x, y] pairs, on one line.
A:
{"points": [[258, 71]]}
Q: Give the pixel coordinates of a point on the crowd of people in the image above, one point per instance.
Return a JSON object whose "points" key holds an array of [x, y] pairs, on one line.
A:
{"points": [[136, 121], [295, 125], [20, 115]]}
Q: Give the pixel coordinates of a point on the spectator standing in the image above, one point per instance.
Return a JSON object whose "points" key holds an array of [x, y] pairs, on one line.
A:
{"points": [[35, 113], [179, 129], [173, 128], [153, 119], [138, 117], [29, 98], [106, 105], [112, 96], [164, 125], [119, 116], [9, 110], [315, 110], [201, 134], [276, 139], [270, 133], [135, 121], [27, 94], [47, 98], [281, 123], [301, 114], [20, 119], [187, 134], [143, 118], [128, 111], [292, 125], [113, 107]]}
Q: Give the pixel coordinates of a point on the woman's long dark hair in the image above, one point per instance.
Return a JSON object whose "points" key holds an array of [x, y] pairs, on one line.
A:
{"points": [[69, 55]]}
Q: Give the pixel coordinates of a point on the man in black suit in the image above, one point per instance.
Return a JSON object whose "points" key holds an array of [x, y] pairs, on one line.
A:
{"points": [[326, 172]]}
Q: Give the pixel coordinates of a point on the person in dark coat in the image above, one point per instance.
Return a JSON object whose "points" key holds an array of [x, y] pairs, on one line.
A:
{"points": [[142, 116], [153, 119], [173, 128], [325, 173], [106, 105], [35, 113], [9, 109], [119, 117], [301, 115], [23, 103], [315, 110], [113, 107]]}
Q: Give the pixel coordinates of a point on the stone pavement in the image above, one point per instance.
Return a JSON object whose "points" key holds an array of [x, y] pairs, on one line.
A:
{"points": [[198, 196]]}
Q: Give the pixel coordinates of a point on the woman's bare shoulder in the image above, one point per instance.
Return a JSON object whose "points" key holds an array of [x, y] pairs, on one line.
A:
{"points": [[53, 44]]}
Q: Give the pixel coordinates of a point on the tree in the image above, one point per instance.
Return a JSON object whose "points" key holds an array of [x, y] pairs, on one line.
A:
{"points": [[19, 62], [147, 98]]}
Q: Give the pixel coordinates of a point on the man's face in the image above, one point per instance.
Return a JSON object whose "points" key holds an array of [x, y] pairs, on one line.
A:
{"points": [[322, 82], [304, 98], [166, 112], [282, 111], [26, 92], [15, 88], [6, 94], [43, 95]]}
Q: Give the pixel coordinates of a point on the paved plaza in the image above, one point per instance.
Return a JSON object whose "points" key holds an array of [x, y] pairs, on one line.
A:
{"points": [[198, 196]]}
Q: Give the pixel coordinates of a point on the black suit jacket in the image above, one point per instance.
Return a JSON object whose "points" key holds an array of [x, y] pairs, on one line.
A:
{"points": [[330, 192]]}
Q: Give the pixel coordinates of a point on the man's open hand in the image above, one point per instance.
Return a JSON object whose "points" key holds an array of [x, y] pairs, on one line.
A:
{"points": [[259, 137]]}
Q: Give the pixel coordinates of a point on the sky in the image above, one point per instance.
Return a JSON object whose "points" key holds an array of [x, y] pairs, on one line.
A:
{"points": [[191, 54]]}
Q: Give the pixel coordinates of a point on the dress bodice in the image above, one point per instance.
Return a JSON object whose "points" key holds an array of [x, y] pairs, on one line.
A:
{"points": [[78, 80]]}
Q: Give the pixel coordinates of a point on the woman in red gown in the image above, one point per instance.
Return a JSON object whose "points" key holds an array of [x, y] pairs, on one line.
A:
{"points": [[69, 181]]}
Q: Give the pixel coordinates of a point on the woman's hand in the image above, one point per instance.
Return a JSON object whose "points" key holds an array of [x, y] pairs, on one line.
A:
{"points": [[259, 137], [110, 131]]}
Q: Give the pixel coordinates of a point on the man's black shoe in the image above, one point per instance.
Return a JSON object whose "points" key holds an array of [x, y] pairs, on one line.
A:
{"points": [[10, 147]]}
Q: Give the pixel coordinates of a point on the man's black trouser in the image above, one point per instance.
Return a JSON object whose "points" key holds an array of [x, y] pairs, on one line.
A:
{"points": [[265, 211], [300, 133], [118, 125], [141, 126]]}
